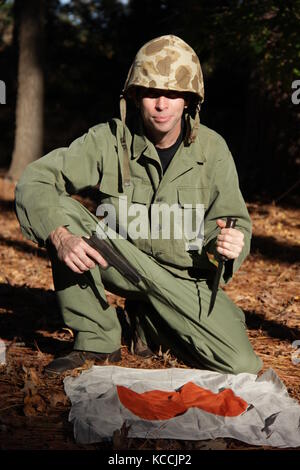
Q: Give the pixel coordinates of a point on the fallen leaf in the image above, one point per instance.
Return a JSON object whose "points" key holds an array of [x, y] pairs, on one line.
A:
{"points": [[58, 397], [34, 405]]}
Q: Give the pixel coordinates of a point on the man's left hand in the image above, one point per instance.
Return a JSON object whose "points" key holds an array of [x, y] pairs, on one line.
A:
{"points": [[230, 241]]}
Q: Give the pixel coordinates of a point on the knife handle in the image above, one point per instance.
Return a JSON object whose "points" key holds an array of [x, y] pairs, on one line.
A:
{"points": [[230, 222]]}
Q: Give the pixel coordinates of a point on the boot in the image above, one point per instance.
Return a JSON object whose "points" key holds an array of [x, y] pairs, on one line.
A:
{"points": [[77, 359]]}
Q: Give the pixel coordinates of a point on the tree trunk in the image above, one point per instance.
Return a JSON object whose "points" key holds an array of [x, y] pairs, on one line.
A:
{"points": [[29, 111]]}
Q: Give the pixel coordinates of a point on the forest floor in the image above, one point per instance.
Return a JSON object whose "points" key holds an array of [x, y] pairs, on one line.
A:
{"points": [[34, 408]]}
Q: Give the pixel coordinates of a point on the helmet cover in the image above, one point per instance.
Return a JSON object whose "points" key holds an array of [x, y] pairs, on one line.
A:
{"points": [[166, 63]]}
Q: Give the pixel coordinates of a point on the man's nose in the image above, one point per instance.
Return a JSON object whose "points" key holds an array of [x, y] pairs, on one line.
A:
{"points": [[161, 102]]}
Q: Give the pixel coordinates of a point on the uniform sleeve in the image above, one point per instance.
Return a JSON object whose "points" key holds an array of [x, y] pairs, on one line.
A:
{"points": [[226, 201], [64, 171]]}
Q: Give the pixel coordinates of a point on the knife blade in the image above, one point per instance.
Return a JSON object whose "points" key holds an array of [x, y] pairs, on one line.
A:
{"points": [[230, 223]]}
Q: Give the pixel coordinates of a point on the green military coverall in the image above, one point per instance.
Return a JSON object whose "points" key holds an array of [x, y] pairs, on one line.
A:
{"points": [[174, 293]]}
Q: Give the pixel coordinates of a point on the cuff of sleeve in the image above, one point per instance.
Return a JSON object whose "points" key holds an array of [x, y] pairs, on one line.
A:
{"points": [[46, 226]]}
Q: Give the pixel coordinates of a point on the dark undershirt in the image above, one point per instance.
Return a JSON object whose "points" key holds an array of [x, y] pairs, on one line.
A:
{"points": [[166, 154]]}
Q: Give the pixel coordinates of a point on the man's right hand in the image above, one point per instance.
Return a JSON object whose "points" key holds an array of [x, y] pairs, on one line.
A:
{"points": [[74, 251]]}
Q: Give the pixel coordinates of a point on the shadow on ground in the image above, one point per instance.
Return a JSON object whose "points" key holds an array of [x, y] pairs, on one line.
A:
{"points": [[268, 247], [25, 313], [256, 321]]}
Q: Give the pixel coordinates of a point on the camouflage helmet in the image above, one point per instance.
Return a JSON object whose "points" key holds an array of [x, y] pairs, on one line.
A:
{"points": [[166, 63]]}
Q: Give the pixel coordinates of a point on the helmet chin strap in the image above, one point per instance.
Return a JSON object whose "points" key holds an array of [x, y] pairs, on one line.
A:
{"points": [[194, 130]]}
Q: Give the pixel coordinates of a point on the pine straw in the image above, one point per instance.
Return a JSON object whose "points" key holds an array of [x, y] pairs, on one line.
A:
{"points": [[34, 408]]}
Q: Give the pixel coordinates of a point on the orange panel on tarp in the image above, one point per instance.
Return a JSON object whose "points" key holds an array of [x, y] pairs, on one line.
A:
{"points": [[161, 405]]}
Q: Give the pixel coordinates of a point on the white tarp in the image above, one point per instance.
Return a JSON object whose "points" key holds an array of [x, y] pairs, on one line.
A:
{"points": [[272, 418]]}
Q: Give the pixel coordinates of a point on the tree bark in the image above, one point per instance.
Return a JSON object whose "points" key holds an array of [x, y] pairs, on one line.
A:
{"points": [[28, 144]]}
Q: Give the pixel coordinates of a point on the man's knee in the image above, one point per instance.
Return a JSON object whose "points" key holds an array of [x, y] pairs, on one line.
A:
{"points": [[246, 362]]}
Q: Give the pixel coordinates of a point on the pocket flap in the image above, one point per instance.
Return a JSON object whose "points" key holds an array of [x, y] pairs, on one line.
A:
{"points": [[142, 194], [193, 196], [109, 186]]}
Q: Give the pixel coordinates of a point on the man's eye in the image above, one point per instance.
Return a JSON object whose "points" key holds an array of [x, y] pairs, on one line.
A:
{"points": [[153, 94], [149, 94], [158, 93], [172, 95]]}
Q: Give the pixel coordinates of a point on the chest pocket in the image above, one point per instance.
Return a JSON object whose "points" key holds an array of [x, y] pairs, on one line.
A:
{"points": [[193, 203], [138, 215], [128, 211], [113, 205], [142, 194], [109, 186], [193, 196]]}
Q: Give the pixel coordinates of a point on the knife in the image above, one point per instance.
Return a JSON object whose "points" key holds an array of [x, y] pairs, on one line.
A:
{"points": [[230, 223]]}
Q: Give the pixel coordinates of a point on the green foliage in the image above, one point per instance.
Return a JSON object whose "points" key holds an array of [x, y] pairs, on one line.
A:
{"points": [[261, 35], [267, 33]]}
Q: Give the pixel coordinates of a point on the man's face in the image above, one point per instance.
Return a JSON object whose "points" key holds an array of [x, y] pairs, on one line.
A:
{"points": [[161, 112]]}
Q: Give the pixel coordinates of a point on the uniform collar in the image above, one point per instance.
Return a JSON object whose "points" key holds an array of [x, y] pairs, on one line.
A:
{"points": [[141, 144]]}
